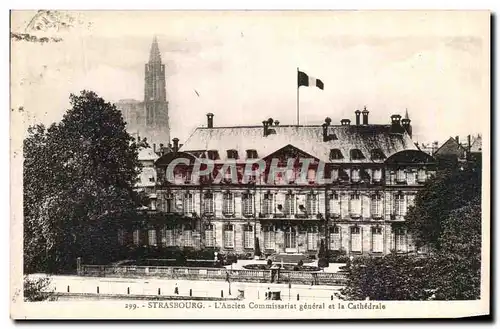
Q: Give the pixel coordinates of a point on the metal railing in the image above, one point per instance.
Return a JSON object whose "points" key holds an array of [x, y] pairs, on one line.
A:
{"points": [[215, 274]]}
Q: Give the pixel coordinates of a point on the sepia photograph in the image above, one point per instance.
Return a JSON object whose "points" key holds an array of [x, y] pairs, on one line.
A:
{"points": [[249, 164]]}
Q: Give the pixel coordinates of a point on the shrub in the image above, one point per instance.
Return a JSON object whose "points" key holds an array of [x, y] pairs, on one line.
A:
{"points": [[38, 289]]}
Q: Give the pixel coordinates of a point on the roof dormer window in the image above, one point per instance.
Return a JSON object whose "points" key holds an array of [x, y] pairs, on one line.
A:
{"points": [[232, 154], [336, 154], [377, 154], [252, 154], [213, 154], [356, 154]]}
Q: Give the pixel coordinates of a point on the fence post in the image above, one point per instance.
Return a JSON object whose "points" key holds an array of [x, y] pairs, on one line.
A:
{"points": [[128, 290], [79, 266], [297, 296], [222, 293], [190, 292], [97, 289], [159, 291], [68, 288]]}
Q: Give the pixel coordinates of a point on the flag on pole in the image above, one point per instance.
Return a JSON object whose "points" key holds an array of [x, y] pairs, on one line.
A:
{"points": [[308, 81]]}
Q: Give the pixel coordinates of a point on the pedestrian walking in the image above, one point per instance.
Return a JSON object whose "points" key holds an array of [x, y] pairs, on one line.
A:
{"points": [[176, 289]]}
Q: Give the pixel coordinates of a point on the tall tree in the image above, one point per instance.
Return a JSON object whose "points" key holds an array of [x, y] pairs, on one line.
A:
{"points": [[450, 189], [75, 172]]}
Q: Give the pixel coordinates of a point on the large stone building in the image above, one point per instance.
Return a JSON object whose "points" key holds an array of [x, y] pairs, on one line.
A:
{"points": [[149, 118], [375, 171]]}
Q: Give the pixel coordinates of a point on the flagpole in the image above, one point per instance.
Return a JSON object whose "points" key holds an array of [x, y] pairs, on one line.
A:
{"points": [[298, 96]]}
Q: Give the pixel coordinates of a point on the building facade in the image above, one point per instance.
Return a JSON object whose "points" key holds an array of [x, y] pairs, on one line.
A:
{"points": [[373, 170], [149, 118]]}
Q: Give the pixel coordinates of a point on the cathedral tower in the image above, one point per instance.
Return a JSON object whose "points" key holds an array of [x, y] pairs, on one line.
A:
{"points": [[155, 98]]}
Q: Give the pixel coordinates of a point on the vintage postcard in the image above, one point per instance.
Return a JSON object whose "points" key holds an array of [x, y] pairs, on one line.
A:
{"points": [[250, 164]]}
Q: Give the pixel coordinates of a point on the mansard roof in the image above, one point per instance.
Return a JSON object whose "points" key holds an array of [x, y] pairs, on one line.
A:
{"points": [[309, 139]]}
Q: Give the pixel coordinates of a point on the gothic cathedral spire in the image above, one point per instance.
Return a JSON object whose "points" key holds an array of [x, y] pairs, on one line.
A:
{"points": [[155, 98]]}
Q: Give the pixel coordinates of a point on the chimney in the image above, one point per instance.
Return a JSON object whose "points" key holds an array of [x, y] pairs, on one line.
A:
{"points": [[210, 120], [406, 123], [457, 138], [358, 117], [365, 116], [345, 122], [325, 128], [154, 147], [396, 127], [176, 144], [264, 123]]}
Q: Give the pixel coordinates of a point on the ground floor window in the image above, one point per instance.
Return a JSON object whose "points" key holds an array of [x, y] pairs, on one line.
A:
{"points": [[228, 236], [356, 245], [136, 237], [168, 237], [121, 237], [248, 237], [290, 238], [188, 236], [335, 238], [377, 239], [209, 236], [312, 238], [152, 237], [269, 237], [400, 240]]}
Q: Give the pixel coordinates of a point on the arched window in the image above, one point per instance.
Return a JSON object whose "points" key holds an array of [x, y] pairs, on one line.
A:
{"points": [[356, 154], [336, 154], [213, 154], [377, 154], [232, 154]]}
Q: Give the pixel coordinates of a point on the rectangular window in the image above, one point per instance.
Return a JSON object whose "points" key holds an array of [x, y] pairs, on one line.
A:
{"points": [[399, 203], [334, 205], [209, 236], [247, 204], [400, 176], [312, 239], [269, 237], [356, 239], [421, 176], [228, 204], [167, 237], [355, 205], [137, 237], [248, 237], [121, 236], [289, 204], [290, 176], [400, 240], [376, 206], [311, 176], [188, 203], [377, 240], [335, 238], [168, 205], [377, 175], [355, 175], [152, 237], [208, 204], [334, 174], [267, 203], [311, 204], [188, 237], [228, 236]]}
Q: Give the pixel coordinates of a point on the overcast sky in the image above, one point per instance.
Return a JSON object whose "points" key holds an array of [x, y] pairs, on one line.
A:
{"points": [[244, 66]]}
